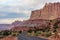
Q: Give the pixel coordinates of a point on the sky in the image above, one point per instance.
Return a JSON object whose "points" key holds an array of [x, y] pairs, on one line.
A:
{"points": [[11, 10]]}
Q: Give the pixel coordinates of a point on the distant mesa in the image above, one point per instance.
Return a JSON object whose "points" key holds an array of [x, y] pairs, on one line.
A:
{"points": [[17, 23]]}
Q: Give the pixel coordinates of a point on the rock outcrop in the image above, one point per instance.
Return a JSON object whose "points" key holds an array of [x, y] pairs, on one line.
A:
{"points": [[49, 12]]}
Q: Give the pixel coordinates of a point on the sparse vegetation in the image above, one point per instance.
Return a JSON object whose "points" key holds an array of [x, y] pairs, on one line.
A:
{"points": [[7, 33], [45, 32], [29, 31]]}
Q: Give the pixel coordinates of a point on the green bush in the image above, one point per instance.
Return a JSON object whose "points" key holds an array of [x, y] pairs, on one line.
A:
{"points": [[14, 33], [6, 33], [20, 31], [48, 34], [30, 31]]}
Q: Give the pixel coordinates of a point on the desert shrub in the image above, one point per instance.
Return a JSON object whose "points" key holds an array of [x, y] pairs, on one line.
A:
{"points": [[30, 31], [54, 30], [48, 34], [6, 33], [20, 31], [13, 33], [55, 27], [35, 30], [1, 34], [43, 29]]}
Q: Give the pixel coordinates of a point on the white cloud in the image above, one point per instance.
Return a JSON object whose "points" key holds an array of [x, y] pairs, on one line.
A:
{"points": [[9, 21], [20, 6], [1, 14], [16, 5]]}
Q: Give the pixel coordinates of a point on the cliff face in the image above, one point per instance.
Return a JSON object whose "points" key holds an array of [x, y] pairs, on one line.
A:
{"points": [[42, 18], [49, 12]]}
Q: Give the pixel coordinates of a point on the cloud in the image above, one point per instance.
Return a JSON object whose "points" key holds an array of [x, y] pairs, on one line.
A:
{"points": [[3, 14], [10, 20], [17, 5], [11, 10]]}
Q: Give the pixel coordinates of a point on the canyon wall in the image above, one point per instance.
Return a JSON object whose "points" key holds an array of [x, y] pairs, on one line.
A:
{"points": [[49, 12]]}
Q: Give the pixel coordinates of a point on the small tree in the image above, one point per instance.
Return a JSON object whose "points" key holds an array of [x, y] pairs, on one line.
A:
{"points": [[14, 33], [20, 31], [6, 33], [35, 31], [55, 27], [30, 31]]}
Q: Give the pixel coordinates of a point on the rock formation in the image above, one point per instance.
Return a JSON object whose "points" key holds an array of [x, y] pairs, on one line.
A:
{"points": [[48, 16], [49, 12]]}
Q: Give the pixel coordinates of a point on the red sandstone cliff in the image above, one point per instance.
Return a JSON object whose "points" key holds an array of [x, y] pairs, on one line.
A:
{"points": [[50, 11]]}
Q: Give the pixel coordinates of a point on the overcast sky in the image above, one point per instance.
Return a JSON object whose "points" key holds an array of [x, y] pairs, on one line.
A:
{"points": [[11, 10]]}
